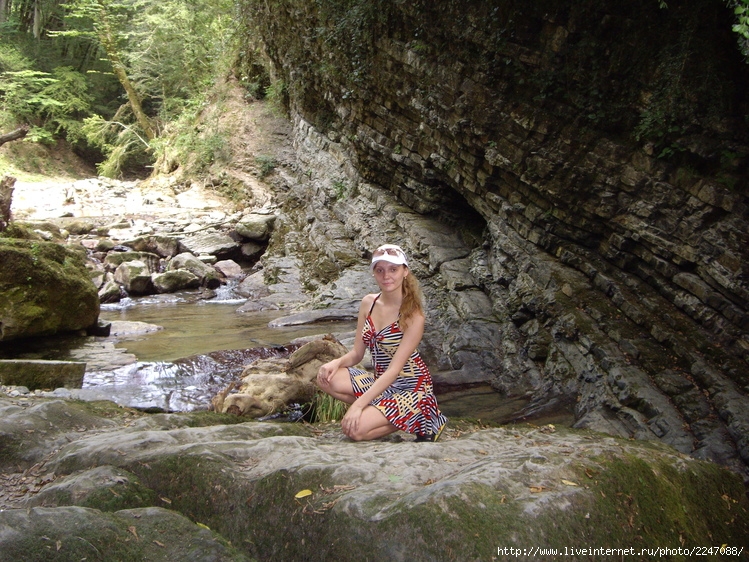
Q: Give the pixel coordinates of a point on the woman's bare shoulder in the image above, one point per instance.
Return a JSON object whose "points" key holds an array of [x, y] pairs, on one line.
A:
{"points": [[366, 302]]}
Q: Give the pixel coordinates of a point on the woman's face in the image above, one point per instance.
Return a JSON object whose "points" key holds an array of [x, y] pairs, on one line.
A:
{"points": [[389, 276]]}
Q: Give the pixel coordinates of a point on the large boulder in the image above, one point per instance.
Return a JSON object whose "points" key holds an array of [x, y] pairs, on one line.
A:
{"points": [[281, 491], [174, 280], [135, 277], [115, 259], [210, 243], [45, 289], [208, 276], [256, 226], [110, 290], [164, 246]]}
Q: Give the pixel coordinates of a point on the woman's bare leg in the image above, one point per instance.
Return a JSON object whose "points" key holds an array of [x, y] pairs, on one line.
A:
{"points": [[372, 425], [339, 386]]}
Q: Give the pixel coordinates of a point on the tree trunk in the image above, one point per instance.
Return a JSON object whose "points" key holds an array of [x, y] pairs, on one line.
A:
{"points": [[106, 38], [14, 135], [6, 196]]}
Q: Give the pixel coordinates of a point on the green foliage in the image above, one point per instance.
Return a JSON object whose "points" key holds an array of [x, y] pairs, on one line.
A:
{"points": [[741, 27], [266, 164], [278, 96], [340, 188], [11, 58], [54, 103], [177, 49], [120, 143], [164, 55], [327, 408]]}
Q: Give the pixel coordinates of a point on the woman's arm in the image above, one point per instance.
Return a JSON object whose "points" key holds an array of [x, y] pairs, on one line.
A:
{"points": [[355, 355]]}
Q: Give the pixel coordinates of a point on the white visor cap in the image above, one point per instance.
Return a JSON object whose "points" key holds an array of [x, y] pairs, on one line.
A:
{"points": [[389, 253]]}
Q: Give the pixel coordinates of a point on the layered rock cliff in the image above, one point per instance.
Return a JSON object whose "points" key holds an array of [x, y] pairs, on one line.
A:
{"points": [[569, 177]]}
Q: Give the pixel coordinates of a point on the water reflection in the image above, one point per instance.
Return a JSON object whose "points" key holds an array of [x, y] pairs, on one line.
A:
{"points": [[183, 385], [191, 328], [202, 347]]}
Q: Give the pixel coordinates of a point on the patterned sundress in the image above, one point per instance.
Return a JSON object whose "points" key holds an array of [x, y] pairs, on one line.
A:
{"points": [[409, 403]]}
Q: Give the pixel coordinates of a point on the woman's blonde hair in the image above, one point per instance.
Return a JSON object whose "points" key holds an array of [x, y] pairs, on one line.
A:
{"points": [[412, 299]]}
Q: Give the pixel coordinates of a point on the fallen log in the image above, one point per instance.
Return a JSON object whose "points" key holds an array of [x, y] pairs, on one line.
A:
{"points": [[14, 135]]}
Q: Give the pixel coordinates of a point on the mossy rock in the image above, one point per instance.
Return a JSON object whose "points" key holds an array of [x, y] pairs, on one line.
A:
{"points": [[72, 534], [45, 289], [460, 498]]}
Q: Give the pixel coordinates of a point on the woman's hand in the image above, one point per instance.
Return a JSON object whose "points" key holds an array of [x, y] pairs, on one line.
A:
{"points": [[350, 422], [326, 371]]}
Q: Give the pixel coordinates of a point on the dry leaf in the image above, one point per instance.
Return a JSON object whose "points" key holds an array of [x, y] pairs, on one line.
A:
{"points": [[569, 483], [303, 494], [201, 525], [537, 489], [134, 531], [483, 453], [165, 500], [161, 544], [58, 544]]}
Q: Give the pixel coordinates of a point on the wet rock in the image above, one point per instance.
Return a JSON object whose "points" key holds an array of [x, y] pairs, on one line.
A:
{"points": [[135, 277], [163, 246], [175, 280], [120, 328], [253, 286], [115, 259], [110, 290], [229, 268], [313, 316], [208, 276]]}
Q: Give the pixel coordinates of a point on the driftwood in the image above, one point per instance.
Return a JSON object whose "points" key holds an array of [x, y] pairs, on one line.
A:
{"points": [[6, 196], [14, 135]]}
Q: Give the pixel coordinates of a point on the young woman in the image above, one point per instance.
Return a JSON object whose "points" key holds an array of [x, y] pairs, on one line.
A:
{"points": [[399, 395]]}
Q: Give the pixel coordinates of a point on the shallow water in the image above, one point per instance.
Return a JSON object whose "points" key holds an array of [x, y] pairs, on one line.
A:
{"points": [[204, 345], [193, 328]]}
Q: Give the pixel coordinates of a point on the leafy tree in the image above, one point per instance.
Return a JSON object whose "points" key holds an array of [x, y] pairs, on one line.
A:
{"points": [[106, 22], [741, 27]]}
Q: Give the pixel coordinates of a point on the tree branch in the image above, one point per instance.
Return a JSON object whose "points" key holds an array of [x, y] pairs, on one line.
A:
{"points": [[14, 135]]}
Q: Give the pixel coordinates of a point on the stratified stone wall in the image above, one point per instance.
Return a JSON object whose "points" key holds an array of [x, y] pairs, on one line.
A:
{"points": [[600, 152]]}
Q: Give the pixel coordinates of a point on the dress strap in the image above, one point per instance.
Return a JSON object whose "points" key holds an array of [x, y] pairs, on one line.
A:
{"points": [[371, 308]]}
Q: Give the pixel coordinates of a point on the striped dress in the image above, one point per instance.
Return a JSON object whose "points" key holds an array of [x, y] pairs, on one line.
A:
{"points": [[409, 403]]}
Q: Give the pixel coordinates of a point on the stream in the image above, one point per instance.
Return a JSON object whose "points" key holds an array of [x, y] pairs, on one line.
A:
{"points": [[202, 346]]}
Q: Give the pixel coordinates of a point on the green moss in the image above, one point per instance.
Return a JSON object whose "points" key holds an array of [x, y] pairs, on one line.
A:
{"points": [[45, 288], [121, 496], [657, 504], [20, 231]]}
